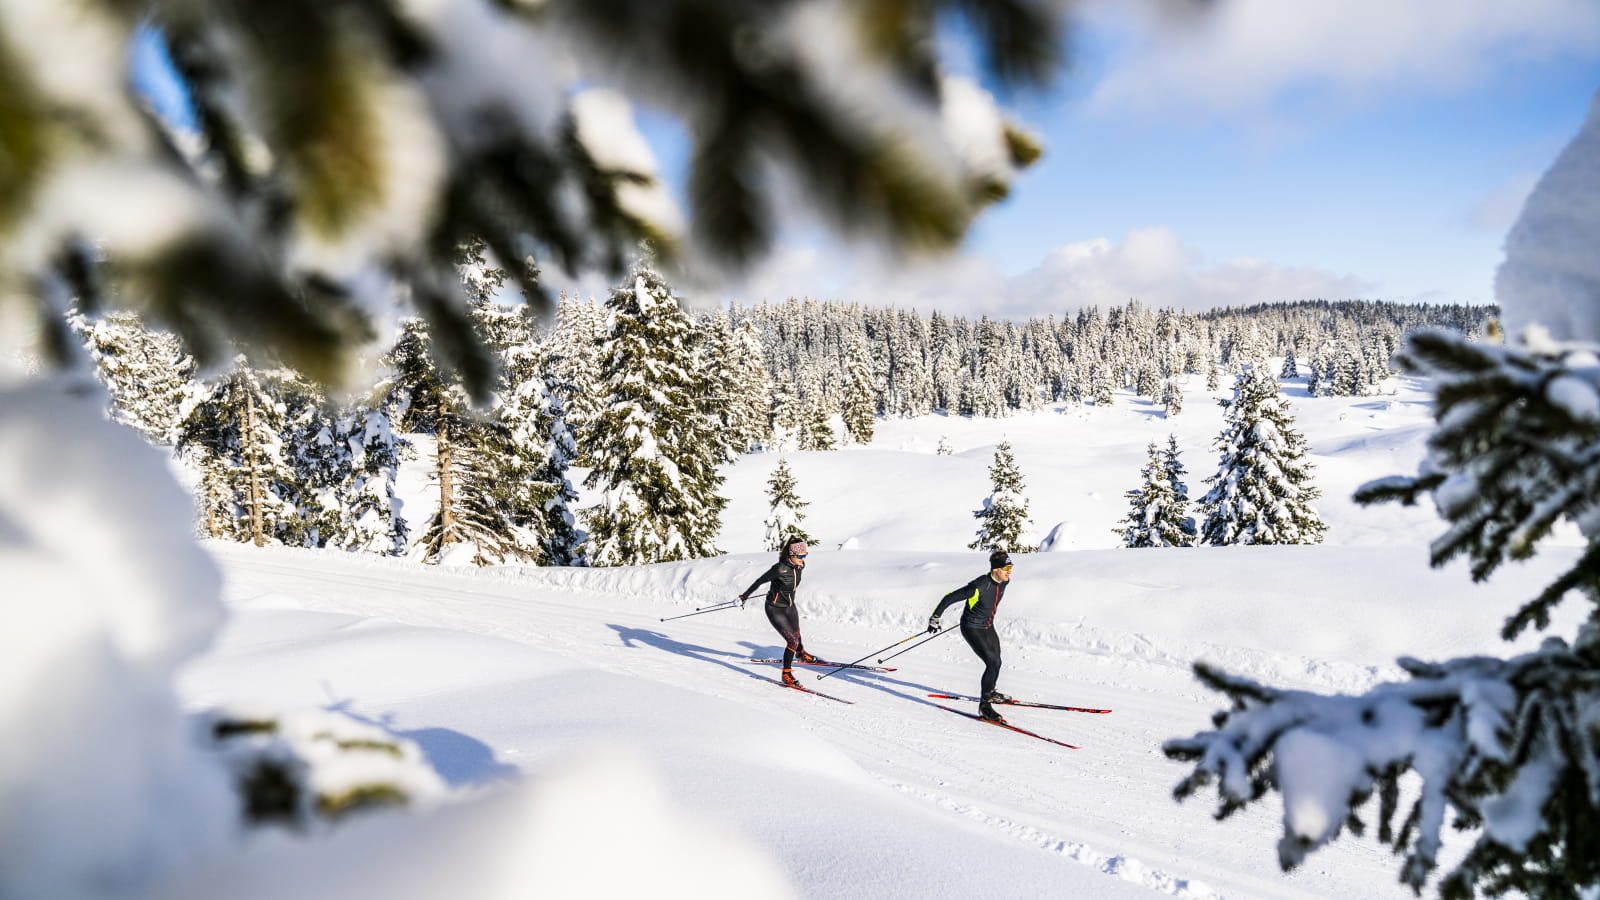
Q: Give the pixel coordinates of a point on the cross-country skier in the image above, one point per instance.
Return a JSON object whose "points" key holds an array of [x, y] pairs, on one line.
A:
{"points": [[784, 577], [982, 596]]}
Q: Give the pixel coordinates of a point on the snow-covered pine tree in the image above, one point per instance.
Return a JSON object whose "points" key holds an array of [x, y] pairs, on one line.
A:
{"points": [[816, 414], [1262, 491], [579, 328], [1213, 377], [784, 513], [946, 368], [1172, 397], [232, 429], [1290, 368], [1147, 383], [145, 371], [718, 382], [1506, 748], [1158, 513], [859, 407], [530, 488], [319, 460], [944, 448], [785, 417], [1314, 385], [1102, 385], [1004, 517], [467, 457], [369, 507], [750, 394], [541, 402], [658, 477]]}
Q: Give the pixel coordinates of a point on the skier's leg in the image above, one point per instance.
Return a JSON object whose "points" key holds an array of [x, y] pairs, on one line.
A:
{"points": [[986, 644], [786, 621]]}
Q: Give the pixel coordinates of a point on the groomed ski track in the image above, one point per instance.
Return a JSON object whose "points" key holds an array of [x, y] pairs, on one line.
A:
{"points": [[1104, 812]]}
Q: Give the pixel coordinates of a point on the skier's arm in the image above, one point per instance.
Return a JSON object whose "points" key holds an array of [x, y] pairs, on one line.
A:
{"points": [[964, 593], [768, 575]]}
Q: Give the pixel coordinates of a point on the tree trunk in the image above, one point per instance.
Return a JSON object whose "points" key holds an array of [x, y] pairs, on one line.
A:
{"points": [[445, 455], [253, 492]]}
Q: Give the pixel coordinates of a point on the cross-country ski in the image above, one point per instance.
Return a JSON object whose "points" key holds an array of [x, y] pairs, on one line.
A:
{"points": [[830, 665], [1009, 727], [802, 688], [1081, 709]]}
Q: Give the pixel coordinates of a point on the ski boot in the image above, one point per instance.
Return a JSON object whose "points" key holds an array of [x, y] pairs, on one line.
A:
{"points": [[805, 657], [988, 714], [997, 697], [788, 679]]}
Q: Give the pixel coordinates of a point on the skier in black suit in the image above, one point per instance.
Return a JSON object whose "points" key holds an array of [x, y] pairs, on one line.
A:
{"points": [[784, 577]]}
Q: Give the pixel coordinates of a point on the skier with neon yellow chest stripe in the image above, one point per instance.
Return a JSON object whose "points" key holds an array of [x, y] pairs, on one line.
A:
{"points": [[982, 597]]}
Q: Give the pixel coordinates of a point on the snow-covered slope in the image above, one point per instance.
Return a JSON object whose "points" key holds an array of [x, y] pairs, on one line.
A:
{"points": [[649, 760]]}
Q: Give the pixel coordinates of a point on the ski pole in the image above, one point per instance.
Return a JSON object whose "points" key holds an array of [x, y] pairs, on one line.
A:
{"points": [[874, 653], [916, 645], [729, 605]]}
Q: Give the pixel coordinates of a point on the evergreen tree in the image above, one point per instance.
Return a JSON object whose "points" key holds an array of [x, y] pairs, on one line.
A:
{"points": [[1172, 397], [575, 352], [1004, 516], [657, 475], [468, 457], [1148, 382], [320, 463], [859, 408], [816, 415], [750, 392], [1290, 368], [1158, 514], [530, 487], [944, 448], [368, 507], [1102, 385], [233, 429], [717, 386], [785, 417], [785, 512], [1262, 491], [145, 372]]}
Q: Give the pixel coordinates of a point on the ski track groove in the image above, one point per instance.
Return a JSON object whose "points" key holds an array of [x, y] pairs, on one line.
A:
{"points": [[1120, 866]]}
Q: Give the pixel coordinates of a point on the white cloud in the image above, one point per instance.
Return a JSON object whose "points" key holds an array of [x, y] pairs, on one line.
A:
{"points": [[1150, 264], [1246, 54], [1153, 266]]}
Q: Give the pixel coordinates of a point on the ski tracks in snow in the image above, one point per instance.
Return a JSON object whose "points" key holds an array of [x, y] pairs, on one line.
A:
{"points": [[1120, 866]]}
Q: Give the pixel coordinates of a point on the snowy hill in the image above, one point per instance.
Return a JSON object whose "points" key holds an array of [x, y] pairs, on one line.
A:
{"points": [[644, 756]]}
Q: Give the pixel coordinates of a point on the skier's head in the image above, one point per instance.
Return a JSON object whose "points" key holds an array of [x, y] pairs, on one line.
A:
{"points": [[793, 552], [1000, 565]]}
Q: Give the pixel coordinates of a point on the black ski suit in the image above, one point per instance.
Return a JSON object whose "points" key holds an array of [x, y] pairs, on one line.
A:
{"points": [[783, 578], [982, 597]]}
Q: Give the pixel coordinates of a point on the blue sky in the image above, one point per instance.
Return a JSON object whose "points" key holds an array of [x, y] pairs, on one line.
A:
{"points": [[1274, 152], [1271, 151]]}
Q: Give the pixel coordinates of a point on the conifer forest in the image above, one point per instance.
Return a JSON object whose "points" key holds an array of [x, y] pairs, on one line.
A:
{"points": [[278, 460]]}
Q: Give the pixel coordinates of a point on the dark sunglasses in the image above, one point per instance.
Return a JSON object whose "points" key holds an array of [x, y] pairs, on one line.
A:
{"points": [[798, 555]]}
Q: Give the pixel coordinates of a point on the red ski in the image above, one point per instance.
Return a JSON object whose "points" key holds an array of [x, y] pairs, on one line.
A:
{"points": [[797, 687], [829, 665], [1021, 703], [1008, 726]]}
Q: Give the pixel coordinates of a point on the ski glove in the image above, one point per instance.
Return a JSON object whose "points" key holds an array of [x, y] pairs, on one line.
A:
{"points": [[933, 624]]}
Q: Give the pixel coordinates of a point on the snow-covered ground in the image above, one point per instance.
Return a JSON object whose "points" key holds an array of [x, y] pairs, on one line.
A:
{"points": [[593, 749]]}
